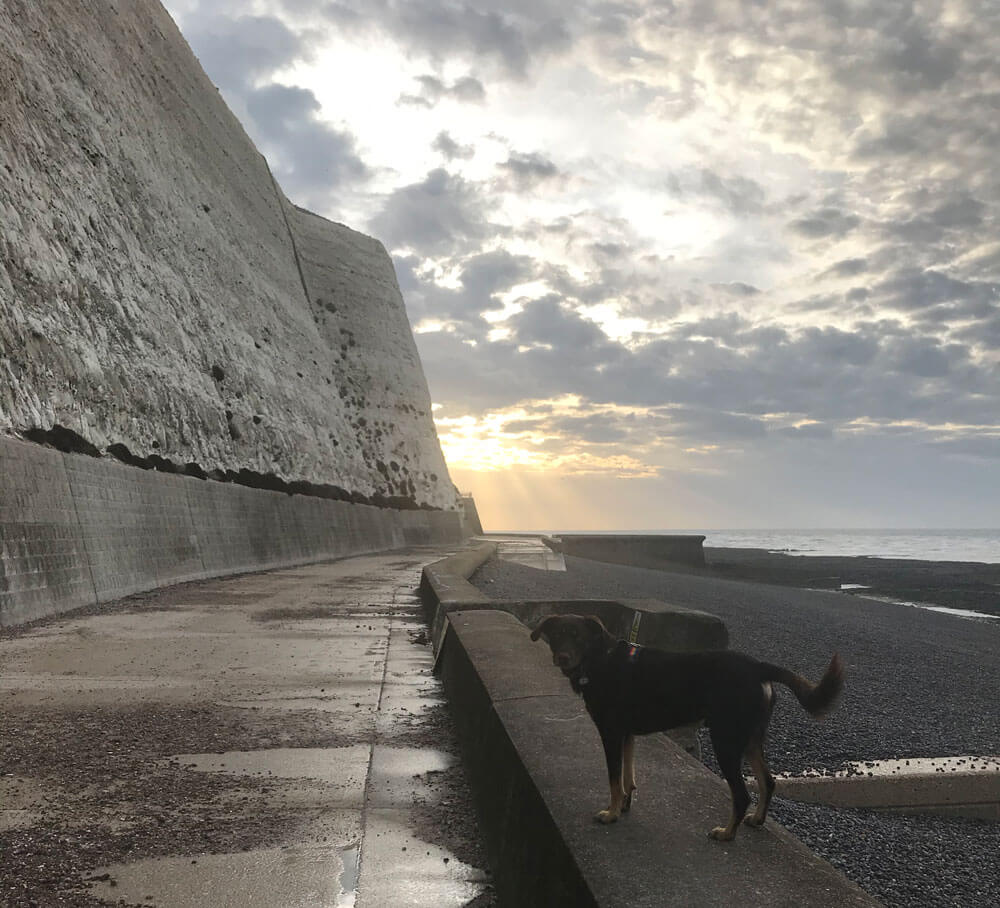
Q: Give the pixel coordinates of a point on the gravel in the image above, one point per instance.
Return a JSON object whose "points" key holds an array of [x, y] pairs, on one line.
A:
{"points": [[919, 684], [111, 794]]}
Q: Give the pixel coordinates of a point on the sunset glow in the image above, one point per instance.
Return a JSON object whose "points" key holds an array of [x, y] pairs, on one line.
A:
{"points": [[739, 259]]}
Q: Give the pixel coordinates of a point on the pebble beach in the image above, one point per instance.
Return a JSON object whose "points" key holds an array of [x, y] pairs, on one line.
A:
{"points": [[920, 683]]}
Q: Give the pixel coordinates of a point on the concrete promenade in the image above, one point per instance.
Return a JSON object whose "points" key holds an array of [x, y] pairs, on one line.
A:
{"points": [[262, 740]]}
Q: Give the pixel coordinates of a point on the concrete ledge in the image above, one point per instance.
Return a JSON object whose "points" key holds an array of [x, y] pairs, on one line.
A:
{"points": [[77, 530], [446, 581], [649, 551], [537, 772], [445, 588], [960, 793]]}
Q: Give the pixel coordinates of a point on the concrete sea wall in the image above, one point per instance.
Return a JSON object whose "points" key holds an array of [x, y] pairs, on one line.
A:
{"points": [[536, 769], [78, 530], [639, 550], [162, 302]]}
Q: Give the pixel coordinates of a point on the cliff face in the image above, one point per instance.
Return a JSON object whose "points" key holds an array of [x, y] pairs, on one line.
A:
{"points": [[157, 290]]}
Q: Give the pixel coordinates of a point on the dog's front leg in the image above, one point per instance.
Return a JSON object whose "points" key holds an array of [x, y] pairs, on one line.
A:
{"points": [[614, 743], [628, 772]]}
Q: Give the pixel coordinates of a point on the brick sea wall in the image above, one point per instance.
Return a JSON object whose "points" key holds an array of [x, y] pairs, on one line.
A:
{"points": [[77, 530]]}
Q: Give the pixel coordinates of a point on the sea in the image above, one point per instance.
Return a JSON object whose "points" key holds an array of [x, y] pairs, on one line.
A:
{"points": [[924, 545]]}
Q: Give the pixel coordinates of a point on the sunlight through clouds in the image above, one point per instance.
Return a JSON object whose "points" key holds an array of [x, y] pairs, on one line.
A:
{"points": [[746, 240]]}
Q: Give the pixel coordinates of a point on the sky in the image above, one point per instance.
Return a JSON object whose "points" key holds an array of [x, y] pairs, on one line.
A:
{"points": [[668, 264]]}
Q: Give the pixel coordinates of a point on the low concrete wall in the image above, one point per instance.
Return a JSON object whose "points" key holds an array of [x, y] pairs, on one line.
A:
{"points": [[77, 530], [975, 795], [536, 769], [647, 551], [649, 622]]}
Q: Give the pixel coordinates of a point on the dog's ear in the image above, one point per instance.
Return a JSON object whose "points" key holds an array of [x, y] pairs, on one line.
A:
{"points": [[540, 627], [595, 625]]}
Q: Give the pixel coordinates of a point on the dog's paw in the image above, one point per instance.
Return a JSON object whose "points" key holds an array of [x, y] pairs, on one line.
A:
{"points": [[627, 803], [722, 834], [606, 816], [754, 820]]}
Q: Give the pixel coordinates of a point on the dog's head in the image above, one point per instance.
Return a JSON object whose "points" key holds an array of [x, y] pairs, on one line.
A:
{"points": [[571, 638]]}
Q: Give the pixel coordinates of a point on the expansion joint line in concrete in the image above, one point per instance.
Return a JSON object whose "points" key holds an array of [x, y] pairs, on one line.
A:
{"points": [[198, 545], [291, 234], [371, 749], [83, 536]]}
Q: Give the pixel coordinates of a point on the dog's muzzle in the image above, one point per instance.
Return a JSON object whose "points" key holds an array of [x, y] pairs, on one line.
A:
{"points": [[564, 661]]}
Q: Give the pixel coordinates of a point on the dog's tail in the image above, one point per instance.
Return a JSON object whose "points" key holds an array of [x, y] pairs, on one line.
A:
{"points": [[817, 699]]}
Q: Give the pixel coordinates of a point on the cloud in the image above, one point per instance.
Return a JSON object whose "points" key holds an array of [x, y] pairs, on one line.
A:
{"points": [[310, 158], [546, 322], [592, 429], [825, 222], [526, 171], [441, 214], [238, 50], [913, 289], [485, 274], [736, 193], [737, 288], [738, 231], [451, 149], [924, 357], [466, 90], [513, 38], [482, 276], [847, 268]]}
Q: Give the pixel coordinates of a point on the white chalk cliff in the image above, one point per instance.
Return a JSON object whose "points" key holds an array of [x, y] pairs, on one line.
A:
{"points": [[157, 290]]}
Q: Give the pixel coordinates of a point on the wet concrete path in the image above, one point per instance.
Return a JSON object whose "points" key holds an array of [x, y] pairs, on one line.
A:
{"points": [[269, 739]]}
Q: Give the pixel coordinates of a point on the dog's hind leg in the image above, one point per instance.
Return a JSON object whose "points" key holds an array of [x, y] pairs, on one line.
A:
{"points": [[758, 762], [765, 782], [628, 772], [729, 752], [614, 746]]}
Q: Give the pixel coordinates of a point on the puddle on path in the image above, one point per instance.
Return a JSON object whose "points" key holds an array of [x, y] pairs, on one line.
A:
{"points": [[348, 879], [340, 765], [400, 869], [306, 876], [401, 775]]}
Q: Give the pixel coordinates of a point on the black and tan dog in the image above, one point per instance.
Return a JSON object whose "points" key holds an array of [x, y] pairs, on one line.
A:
{"points": [[631, 690]]}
